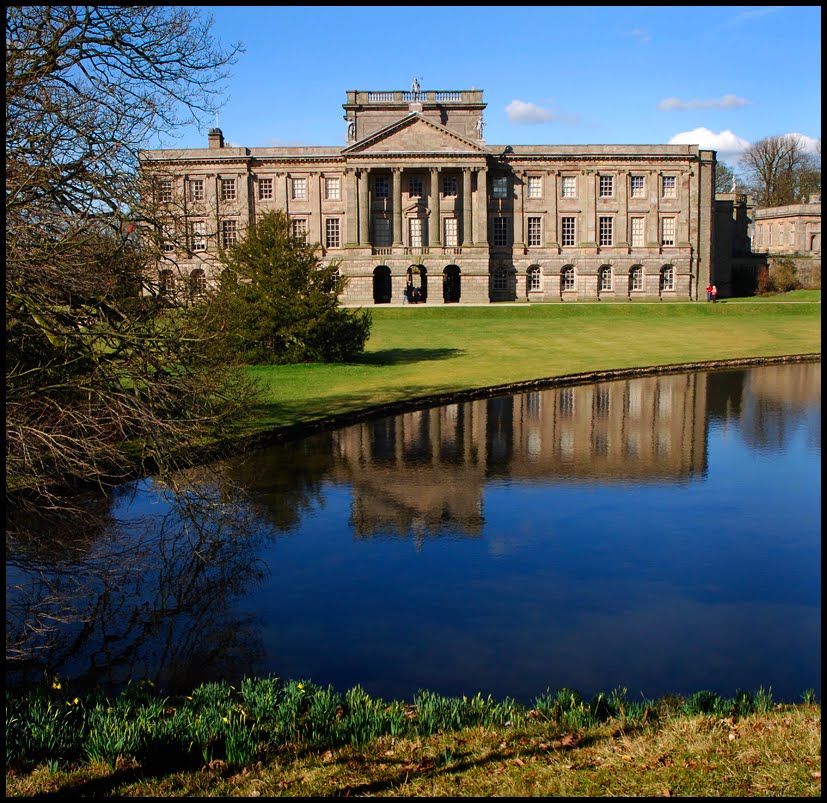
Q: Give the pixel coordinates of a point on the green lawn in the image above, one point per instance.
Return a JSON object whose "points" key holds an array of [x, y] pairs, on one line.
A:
{"points": [[422, 351]]}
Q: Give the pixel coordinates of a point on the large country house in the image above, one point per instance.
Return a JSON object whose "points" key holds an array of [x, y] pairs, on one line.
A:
{"points": [[416, 198]]}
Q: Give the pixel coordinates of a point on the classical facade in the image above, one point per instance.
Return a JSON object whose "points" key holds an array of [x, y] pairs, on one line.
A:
{"points": [[418, 205]]}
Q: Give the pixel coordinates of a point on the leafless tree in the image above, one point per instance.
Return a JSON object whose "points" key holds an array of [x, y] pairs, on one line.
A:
{"points": [[780, 170], [100, 376]]}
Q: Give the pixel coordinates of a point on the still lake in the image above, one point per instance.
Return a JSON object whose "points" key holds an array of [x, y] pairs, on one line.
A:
{"points": [[659, 533]]}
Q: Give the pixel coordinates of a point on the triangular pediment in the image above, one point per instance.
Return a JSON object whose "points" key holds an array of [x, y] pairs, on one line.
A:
{"points": [[411, 135]]}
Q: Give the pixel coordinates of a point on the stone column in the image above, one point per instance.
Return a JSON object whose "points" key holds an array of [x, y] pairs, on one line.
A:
{"points": [[550, 230], [519, 186], [435, 228], [621, 232], [466, 207], [314, 195], [652, 237], [364, 207], [587, 235], [482, 207], [397, 206], [350, 206]]}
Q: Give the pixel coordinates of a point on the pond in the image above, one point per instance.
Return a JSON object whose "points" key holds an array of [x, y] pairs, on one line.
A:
{"points": [[658, 533]]}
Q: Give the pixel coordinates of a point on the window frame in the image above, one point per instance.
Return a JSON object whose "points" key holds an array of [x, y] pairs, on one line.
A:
{"points": [[447, 235], [673, 222], [567, 278], [669, 190], [198, 236], [499, 232], [199, 185], [450, 187], [634, 241], [568, 186], [298, 188], [265, 189], [229, 233], [331, 194], [639, 191], [534, 278], [228, 190], [606, 186], [605, 279], [534, 187], [298, 228], [381, 187], [535, 237], [566, 222], [605, 230], [636, 278], [332, 232], [499, 187]]}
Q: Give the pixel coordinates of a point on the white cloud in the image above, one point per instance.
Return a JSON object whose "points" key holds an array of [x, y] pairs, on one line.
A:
{"points": [[641, 34], [810, 144], [519, 111], [724, 102], [729, 146]]}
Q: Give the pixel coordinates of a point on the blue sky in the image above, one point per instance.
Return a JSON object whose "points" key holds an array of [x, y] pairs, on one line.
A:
{"points": [[721, 77]]}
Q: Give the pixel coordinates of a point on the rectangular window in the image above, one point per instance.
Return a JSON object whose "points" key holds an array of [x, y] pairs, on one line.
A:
{"points": [[500, 279], [535, 187], [265, 189], [199, 235], [415, 232], [499, 187], [607, 186], [228, 233], [535, 231], [449, 186], [415, 187], [638, 187], [332, 189], [451, 236], [227, 189], [331, 232], [568, 186], [298, 189], [606, 230], [381, 187], [196, 189], [382, 232], [165, 190], [500, 231], [637, 232], [298, 228], [667, 227], [670, 187], [567, 230]]}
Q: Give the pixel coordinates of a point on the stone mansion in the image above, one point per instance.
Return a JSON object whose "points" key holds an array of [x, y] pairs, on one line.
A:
{"points": [[418, 199]]}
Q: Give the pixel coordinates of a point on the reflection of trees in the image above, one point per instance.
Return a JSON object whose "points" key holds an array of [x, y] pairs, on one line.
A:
{"points": [[285, 480], [149, 597], [725, 391]]}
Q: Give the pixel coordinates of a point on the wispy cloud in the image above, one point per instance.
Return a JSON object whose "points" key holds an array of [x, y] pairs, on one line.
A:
{"points": [[641, 34], [748, 15], [519, 111], [724, 102]]}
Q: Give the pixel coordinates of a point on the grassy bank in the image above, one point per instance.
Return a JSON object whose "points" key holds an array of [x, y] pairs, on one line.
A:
{"points": [[294, 738], [418, 351]]}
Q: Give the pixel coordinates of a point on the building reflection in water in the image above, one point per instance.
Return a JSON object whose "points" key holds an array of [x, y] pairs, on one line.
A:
{"points": [[424, 472]]}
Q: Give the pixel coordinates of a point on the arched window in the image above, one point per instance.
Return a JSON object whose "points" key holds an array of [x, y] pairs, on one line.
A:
{"points": [[567, 278], [667, 278], [198, 283], [535, 278], [636, 278], [604, 278]]}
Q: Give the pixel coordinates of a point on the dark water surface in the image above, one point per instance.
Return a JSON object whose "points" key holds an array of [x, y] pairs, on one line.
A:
{"points": [[660, 533]]}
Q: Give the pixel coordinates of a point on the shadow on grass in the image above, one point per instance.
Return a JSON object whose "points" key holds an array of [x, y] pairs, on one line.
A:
{"points": [[406, 356]]}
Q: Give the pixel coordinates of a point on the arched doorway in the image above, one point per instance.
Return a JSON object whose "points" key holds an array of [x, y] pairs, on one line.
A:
{"points": [[417, 284], [451, 284], [382, 285]]}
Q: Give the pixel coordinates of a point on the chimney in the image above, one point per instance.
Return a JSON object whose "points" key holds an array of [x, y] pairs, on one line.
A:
{"points": [[216, 138]]}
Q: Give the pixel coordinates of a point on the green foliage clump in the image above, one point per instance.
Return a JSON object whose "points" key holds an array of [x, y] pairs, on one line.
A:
{"points": [[279, 304]]}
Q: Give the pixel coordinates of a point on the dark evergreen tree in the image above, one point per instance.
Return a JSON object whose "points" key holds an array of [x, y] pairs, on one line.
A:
{"points": [[279, 304]]}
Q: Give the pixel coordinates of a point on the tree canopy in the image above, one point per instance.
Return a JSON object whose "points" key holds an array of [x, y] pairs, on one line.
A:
{"points": [[279, 304], [99, 375], [779, 170]]}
